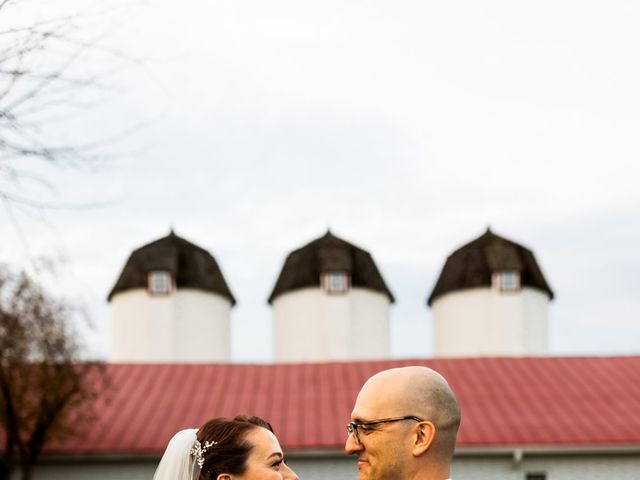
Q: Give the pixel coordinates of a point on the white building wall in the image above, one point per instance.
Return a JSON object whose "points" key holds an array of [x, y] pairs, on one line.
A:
{"points": [[369, 334], [569, 467], [202, 327], [186, 326], [484, 321], [536, 333], [338, 466], [298, 326], [311, 325], [141, 326]]}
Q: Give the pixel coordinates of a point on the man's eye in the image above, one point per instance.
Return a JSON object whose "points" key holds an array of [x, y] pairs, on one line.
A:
{"points": [[366, 428]]}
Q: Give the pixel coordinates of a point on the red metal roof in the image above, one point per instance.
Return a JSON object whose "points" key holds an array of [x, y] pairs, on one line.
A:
{"points": [[548, 401]]}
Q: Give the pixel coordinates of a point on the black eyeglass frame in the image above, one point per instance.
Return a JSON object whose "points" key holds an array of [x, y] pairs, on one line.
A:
{"points": [[352, 427]]}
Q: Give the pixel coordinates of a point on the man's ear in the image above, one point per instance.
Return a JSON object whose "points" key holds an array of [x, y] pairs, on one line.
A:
{"points": [[425, 434], [224, 476]]}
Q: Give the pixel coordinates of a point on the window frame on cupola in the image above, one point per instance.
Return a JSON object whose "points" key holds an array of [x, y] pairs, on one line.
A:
{"points": [[159, 283], [335, 282], [507, 281]]}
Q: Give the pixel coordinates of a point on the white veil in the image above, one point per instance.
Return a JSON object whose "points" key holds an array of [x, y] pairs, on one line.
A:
{"points": [[177, 462]]}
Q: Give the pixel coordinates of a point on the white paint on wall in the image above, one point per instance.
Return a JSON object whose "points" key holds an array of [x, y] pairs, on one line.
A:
{"points": [[338, 466], [553, 466], [312, 325], [484, 321], [187, 325]]}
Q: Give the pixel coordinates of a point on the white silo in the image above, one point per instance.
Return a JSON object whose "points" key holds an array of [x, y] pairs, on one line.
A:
{"points": [[491, 299], [330, 303], [171, 304]]}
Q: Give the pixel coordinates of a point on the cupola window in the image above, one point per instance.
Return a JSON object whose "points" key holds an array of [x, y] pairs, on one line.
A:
{"points": [[159, 283], [506, 281], [335, 282]]}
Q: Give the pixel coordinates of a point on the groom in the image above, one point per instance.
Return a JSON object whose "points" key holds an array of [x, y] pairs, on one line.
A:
{"points": [[403, 426]]}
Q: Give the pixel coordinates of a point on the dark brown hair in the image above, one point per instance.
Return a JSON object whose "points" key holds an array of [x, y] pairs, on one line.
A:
{"points": [[231, 450], [260, 422]]}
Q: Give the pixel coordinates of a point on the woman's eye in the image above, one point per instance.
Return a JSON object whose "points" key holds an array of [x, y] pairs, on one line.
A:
{"points": [[277, 465]]}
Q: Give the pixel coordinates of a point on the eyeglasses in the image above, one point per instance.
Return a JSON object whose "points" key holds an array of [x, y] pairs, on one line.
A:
{"points": [[366, 427]]}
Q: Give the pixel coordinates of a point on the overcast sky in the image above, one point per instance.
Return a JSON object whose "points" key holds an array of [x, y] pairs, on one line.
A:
{"points": [[406, 127]]}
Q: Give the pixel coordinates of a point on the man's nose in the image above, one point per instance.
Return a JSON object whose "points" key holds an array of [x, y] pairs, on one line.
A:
{"points": [[352, 445]]}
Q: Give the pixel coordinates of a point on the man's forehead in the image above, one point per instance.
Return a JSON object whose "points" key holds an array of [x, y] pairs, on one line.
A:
{"points": [[391, 393], [375, 399]]}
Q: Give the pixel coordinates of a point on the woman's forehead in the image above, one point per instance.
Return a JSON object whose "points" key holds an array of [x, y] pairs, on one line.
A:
{"points": [[264, 442]]}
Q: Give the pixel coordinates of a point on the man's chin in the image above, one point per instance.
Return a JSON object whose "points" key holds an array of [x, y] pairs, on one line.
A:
{"points": [[363, 472]]}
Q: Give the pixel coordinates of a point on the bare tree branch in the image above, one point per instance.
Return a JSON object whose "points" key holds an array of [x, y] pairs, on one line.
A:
{"points": [[42, 85]]}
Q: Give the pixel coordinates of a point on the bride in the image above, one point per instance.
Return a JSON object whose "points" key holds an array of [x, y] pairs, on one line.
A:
{"points": [[242, 448]]}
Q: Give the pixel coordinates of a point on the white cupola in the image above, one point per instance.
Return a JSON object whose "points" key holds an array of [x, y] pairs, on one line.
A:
{"points": [[330, 303], [490, 299], [171, 304]]}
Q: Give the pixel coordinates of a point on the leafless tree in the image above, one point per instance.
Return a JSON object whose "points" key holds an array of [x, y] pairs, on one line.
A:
{"points": [[43, 83], [45, 389]]}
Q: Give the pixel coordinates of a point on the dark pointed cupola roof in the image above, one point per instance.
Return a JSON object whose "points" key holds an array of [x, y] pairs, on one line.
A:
{"points": [[473, 265], [189, 265], [303, 266]]}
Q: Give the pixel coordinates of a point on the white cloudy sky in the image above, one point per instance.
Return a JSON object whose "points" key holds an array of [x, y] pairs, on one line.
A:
{"points": [[406, 127]]}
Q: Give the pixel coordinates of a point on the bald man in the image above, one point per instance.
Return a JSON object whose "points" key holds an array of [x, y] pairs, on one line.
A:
{"points": [[403, 426]]}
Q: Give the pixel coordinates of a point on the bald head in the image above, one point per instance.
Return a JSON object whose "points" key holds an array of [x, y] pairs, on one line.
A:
{"points": [[418, 391]]}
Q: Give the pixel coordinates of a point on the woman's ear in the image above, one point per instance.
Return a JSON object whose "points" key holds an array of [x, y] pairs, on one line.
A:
{"points": [[224, 476], [425, 433]]}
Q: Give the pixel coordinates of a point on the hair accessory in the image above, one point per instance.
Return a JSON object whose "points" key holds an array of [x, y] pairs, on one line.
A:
{"points": [[198, 450]]}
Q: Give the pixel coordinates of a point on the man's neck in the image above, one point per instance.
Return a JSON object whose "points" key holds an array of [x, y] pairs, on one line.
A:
{"points": [[432, 473]]}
